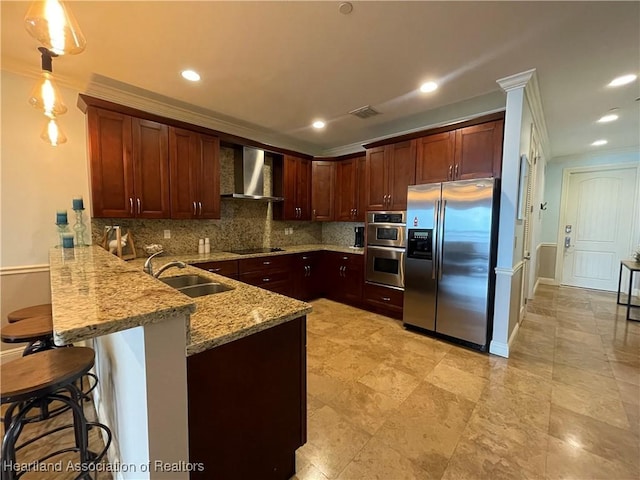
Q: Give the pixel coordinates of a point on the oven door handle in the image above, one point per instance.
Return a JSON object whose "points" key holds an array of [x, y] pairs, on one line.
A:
{"points": [[377, 248]]}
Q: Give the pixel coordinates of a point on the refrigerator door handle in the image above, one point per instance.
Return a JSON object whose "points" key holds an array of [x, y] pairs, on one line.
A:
{"points": [[441, 252], [434, 238]]}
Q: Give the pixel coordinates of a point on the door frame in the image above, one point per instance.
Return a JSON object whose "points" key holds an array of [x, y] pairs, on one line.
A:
{"points": [[564, 198]]}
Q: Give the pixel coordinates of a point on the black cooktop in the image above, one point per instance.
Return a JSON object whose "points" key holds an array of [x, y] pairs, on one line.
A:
{"points": [[252, 251]]}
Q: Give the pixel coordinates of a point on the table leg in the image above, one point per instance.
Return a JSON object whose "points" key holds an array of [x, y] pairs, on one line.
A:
{"points": [[619, 284], [631, 272]]}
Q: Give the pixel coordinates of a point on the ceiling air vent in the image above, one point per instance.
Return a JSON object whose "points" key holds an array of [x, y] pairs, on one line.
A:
{"points": [[364, 112]]}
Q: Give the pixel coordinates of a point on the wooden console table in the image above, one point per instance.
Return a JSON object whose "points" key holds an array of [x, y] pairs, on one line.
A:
{"points": [[633, 267]]}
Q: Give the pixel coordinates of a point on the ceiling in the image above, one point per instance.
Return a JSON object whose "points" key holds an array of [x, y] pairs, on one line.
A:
{"points": [[273, 68]]}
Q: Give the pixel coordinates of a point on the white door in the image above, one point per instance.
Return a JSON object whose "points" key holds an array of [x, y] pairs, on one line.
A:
{"points": [[597, 226]]}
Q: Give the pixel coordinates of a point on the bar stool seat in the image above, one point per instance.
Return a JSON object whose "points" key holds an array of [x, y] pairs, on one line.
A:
{"points": [[35, 380], [28, 330], [27, 312], [37, 331]]}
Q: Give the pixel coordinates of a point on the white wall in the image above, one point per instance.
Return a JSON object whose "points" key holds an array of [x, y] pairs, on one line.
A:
{"points": [[36, 179]]}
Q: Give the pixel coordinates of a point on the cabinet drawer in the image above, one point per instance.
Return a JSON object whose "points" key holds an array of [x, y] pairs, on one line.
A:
{"points": [[383, 297], [349, 259], [226, 268], [261, 279], [258, 264]]}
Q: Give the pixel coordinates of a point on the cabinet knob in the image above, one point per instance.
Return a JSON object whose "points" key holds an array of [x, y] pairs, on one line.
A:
{"points": [[214, 270], [267, 279], [385, 299], [266, 263]]}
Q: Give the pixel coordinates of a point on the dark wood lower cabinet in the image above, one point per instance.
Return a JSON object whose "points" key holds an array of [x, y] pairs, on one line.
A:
{"points": [[248, 405], [385, 300], [343, 277]]}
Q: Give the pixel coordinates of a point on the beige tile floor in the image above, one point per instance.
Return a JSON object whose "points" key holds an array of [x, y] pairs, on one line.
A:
{"points": [[389, 404], [385, 403]]}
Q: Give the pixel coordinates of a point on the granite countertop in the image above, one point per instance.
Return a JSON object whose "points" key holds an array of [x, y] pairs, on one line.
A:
{"points": [[221, 255], [95, 293]]}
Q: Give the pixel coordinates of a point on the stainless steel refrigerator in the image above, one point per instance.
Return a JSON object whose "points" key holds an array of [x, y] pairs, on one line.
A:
{"points": [[450, 258]]}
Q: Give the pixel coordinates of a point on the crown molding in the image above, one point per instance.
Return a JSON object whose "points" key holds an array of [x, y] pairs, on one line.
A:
{"points": [[183, 113], [518, 80]]}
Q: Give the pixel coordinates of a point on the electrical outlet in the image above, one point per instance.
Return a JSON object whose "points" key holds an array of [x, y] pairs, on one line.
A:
{"points": [[167, 234], [286, 231], [291, 231]]}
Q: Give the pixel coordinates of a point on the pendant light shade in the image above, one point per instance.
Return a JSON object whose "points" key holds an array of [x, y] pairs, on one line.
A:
{"points": [[54, 26], [52, 133], [45, 96]]}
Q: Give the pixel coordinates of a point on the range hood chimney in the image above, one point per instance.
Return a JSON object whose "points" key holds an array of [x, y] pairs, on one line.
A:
{"points": [[248, 175]]}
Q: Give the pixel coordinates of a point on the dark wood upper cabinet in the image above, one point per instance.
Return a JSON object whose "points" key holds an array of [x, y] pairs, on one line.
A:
{"points": [[361, 207], [350, 190], [195, 173], [294, 185], [390, 170], [435, 158], [110, 163], [479, 151], [469, 152], [346, 193], [376, 178], [129, 166], [323, 180], [402, 173]]}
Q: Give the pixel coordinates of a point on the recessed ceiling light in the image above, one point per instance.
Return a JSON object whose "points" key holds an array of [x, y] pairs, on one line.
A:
{"points": [[345, 8], [598, 143], [623, 80], [190, 75], [610, 117], [428, 87], [318, 124]]}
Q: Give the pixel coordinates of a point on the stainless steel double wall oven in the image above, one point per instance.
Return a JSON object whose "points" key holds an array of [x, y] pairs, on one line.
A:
{"points": [[386, 232]]}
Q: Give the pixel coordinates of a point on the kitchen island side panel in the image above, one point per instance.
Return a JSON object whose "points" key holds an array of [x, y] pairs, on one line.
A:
{"points": [[248, 405]]}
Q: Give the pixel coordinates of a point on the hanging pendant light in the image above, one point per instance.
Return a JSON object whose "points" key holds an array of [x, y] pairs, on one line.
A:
{"points": [[45, 95], [52, 133], [54, 26]]}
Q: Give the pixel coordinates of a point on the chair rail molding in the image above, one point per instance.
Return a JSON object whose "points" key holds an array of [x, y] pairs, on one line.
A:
{"points": [[22, 269]]}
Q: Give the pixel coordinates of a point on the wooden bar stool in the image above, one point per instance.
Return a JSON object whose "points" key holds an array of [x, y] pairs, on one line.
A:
{"points": [[36, 331], [27, 312], [41, 378]]}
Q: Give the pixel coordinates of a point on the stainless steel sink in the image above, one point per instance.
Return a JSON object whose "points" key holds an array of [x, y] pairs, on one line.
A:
{"points": [[184, 281], [195, 285], [204, 289]]}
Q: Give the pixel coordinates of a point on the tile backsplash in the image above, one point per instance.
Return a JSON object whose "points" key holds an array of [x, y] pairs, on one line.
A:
{"points": [[243, 224]]}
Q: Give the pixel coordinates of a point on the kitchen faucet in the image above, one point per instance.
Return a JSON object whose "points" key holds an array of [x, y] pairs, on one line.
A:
{"points": [[148, 266]]}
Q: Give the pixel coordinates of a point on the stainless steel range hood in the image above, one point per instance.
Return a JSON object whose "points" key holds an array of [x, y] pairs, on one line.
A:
{"points": [[248, 175]]}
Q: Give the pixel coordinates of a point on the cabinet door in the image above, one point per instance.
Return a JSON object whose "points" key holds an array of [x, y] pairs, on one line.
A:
{"points": [[361, 205], [323, 182], [435, 158], [402, 173], [208, 162], [182, 148], [376, 179], [479, 151], [112, 190], [307, 276], [346, 190], [151, 168], [289, 187], [303, 188], [353, 278]]}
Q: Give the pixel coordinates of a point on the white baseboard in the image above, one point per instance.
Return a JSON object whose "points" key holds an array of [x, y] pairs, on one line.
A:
{"points": [[499, 348], [9, 355], [546, 281]]}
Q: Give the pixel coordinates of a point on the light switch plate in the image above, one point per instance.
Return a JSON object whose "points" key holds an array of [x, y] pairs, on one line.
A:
{"points": [[167, 234]]}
